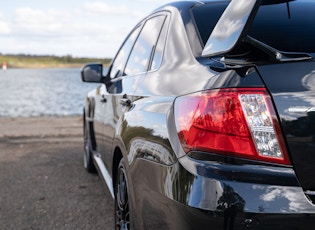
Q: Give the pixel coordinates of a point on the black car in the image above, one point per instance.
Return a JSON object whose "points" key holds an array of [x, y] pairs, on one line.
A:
{"points": [[206, 117]]}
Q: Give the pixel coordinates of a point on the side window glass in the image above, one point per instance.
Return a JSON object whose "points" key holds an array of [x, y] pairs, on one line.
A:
{"points": [[122, 56], [143, 49], [158, 52]]}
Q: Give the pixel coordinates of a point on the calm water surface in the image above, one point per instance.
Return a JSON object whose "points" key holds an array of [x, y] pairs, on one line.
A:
{"points": [[42, 92]]}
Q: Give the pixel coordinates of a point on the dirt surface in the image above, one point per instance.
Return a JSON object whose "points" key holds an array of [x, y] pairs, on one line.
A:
{"points": [[43, 184]]}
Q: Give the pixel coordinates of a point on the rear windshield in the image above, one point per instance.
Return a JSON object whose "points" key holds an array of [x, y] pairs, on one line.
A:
{"points": [[288, 26]]}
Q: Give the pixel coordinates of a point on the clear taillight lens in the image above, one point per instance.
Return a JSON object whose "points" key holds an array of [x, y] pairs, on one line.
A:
{"points": [[234, 122]]}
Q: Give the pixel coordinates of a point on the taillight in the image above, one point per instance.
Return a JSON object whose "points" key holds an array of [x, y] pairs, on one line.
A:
{"points": [[238, 122]]}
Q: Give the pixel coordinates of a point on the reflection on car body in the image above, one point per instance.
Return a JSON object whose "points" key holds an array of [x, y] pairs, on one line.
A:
{"points": [[205, 117]]}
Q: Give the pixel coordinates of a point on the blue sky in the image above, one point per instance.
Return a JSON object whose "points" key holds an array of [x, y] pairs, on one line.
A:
{"points": [[81, 28]]}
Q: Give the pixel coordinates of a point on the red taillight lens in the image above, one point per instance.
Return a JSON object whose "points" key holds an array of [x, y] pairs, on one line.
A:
{"points": [[235, 122]]}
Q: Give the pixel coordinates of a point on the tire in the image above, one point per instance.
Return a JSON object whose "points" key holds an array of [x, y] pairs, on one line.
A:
{"points": [[88, 157], [122, 205]]}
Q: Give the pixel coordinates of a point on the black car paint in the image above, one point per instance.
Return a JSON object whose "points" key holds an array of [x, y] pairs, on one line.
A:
{"points": [[209, 174], [295, 104], [172, 190]]}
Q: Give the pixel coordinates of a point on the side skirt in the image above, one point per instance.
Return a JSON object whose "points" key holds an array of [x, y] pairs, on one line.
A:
{"points": [[104, 173]]}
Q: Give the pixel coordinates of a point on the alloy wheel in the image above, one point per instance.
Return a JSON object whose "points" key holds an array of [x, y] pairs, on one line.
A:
{"points": [[87, 156], [86, 149], [122, 213]]}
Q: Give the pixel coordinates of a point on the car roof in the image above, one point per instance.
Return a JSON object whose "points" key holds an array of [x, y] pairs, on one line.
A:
{"points": [[184, 10], [184, 5]]}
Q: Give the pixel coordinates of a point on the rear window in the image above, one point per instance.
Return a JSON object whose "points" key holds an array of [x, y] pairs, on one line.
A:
{"points": [[287, 26]]}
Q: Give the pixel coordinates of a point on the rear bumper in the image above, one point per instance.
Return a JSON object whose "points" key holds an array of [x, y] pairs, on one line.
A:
{"points": [[241, 221], [244, 196], [199, 194]]}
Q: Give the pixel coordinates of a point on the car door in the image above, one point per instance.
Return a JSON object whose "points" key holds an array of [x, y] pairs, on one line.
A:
{"points": [[104, 105], [125, 74]]}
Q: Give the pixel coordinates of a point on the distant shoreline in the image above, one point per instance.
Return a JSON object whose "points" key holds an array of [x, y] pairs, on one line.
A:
{"points": [[46, 61], [49, 66]]}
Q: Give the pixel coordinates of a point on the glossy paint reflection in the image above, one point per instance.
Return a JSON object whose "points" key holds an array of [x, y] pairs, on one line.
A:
{"points": [[229, 28], [152, 136], [141, 148], [294, 97], [224, 196]]}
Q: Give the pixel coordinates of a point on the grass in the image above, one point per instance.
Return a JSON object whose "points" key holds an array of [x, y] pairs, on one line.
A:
{"points": [[36, 61]]}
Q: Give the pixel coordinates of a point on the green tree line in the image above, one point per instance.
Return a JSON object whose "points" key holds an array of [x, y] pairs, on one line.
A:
{"points": [[47, 61]]}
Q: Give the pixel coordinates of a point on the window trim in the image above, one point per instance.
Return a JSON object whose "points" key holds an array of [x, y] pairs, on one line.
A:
{"points": [[166, 25], [139, 25], [166, 15]]}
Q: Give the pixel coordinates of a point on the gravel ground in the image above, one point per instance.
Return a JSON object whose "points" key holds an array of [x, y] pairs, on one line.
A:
{"points": [[43, 184]]}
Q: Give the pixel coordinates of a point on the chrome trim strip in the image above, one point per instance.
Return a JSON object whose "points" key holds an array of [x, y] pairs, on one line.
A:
{"points": [[104, 173]]}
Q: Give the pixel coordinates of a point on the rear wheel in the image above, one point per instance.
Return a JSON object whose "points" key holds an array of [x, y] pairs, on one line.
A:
{"points": [[122, 207], [88, 161]]}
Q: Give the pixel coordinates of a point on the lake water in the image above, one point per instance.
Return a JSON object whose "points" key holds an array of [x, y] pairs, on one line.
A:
{"points": [[42, 92]]}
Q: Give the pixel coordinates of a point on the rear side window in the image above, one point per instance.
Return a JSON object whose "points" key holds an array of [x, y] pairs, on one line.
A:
{"points": [[123, 54], [159, 49], [287, 26], [144, 47]]}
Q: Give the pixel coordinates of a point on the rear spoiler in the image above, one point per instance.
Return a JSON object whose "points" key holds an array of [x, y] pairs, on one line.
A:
{"points": [[232, 27]]}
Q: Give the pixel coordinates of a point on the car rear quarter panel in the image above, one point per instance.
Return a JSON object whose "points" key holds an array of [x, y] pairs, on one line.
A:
{"points": [[292, 86], [152, 146]]}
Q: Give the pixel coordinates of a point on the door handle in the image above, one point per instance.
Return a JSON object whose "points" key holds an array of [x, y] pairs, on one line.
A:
{"points": [[125, 102]]}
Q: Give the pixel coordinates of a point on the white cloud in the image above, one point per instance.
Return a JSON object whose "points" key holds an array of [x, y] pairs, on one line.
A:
{"points": [[34, 22], [4, 26], [113, 10], [59, 32], [103, 8], [91, 28]]}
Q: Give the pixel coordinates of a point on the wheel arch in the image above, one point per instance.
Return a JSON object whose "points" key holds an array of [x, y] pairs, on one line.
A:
{"points": [[116, 160], [88, 117]]}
